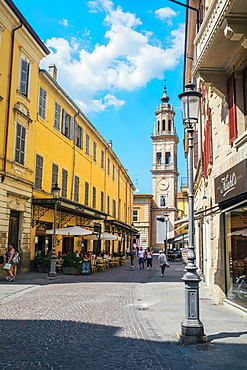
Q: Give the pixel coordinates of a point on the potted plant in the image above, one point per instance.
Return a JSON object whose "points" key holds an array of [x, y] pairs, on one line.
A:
{"points": [[42, 263], [72, 264]]}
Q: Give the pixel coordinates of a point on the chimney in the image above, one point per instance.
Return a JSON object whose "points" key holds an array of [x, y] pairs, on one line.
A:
{"points": [[110, 144], [52, 70]]}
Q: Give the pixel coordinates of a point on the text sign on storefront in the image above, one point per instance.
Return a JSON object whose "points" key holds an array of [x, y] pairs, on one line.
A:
{"points": [[231, 183]]}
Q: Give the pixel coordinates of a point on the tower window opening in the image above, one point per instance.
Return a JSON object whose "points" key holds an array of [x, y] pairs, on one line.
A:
{"points": [[158, 126], [169, 125], [162, 201], [168, 157], [163, 125], [159, 158]]}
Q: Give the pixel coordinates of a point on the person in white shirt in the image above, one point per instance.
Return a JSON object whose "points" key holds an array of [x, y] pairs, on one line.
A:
{"points": [[163, 262], [141, 258], [149, 258]]}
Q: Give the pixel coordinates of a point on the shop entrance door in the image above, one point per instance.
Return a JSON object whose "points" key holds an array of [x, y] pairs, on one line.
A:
{"points": [[68, 244]]}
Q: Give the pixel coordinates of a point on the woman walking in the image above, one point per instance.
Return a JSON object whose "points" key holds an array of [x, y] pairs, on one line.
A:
{"points": [[9, 259], [163, 262], [149, 258]]}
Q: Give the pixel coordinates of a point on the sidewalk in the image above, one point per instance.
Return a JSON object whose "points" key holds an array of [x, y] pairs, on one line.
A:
{"points": [[161, 310]]}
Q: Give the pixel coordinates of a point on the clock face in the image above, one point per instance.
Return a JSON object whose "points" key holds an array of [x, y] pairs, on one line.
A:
{"points": [[163, 184]]}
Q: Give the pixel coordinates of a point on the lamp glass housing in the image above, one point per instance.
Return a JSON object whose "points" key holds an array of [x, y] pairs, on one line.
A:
{"points": [[55, 191], [191, 100], [166, 217]]}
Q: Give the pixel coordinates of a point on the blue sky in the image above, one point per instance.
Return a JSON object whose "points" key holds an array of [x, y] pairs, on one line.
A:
{"points": [[112, 59]]}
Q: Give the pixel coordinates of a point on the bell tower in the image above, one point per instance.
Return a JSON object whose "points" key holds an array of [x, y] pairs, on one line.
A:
{"points": [[164, 174]]}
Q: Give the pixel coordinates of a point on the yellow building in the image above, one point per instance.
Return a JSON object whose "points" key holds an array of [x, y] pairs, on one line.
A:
{"points": [[47, 140]]}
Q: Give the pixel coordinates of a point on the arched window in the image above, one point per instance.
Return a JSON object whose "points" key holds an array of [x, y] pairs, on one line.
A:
{"points": [[169, 125], [168, 157], [158, 126], [159, 158], [163, 125]]}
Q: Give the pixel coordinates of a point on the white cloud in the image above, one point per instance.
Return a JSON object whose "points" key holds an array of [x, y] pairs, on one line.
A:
{"points": [[128, 60], [64, 22], [165, 14]]}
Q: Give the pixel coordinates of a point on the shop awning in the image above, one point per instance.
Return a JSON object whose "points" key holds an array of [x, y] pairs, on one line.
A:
{"points": [[102, 236], [73, 231]]}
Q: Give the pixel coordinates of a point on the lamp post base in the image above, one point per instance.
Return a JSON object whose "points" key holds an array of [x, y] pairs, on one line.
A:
{"points": [[52, 276], [191, 339]]}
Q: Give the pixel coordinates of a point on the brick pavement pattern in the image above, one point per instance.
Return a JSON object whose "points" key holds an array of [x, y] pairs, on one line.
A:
{"points": [[119, 319]]}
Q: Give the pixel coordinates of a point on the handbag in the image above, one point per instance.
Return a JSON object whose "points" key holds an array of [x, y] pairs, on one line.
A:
{"points": [[7, 266]]}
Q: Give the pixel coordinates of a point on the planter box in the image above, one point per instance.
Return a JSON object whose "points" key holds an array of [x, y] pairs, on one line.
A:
{"points": [[71, 270]]}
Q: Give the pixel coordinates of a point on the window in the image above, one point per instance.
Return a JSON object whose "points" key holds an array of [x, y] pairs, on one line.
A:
{"points": [[113, 208], [20, 143], [94, 197], [42, 102], [169, 125], [162, 201], [135, 215], [102, 159], [207, 143], [57, 116], [158, 126], [24, 77], [64, 183], [102, 201], [168, 157], [94, 151], [163, 125], [108, 204], [159, 158], [113, 172], [87, 144], [108, 166], [54, 179], [86, 193], [78, 135], [38, 172], [76, 189], [232, 114], [67, 125]]}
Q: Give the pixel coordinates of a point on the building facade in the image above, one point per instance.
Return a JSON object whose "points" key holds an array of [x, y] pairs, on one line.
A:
{"points": [[217, 65], [142, 220], [47, 140], [164, 173]]}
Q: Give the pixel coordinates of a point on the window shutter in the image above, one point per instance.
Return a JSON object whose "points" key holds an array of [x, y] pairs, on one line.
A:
{"points": [[77, 142], [64, 122], [195, 149], [232, 116], [71, 120], [24, 77]]}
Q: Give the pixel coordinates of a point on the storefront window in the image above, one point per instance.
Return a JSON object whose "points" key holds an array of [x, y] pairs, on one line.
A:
{"points": [[236, 255]]}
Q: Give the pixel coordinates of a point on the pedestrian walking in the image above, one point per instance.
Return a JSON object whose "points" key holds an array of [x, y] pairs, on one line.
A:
{"points": [[149, 258], [141, 258], [132, 256], [163, 262], [11, 273]]}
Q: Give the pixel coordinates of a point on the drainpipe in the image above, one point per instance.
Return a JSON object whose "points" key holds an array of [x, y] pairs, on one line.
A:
{"points": [[8, 101], [74, 155]]}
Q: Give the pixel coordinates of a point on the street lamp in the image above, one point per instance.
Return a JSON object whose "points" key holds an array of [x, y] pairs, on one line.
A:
{"points": [[55, 193], [166, 219], [192, 330]]}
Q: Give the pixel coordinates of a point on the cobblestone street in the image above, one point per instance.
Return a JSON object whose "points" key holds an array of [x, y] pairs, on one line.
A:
{"points": [[95, 321]]}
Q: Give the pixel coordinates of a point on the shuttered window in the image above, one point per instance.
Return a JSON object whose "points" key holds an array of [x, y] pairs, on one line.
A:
{"points": [[20, 143], [54, 180], [24, 77], [86, 193], [42, 102], [207, 146], [57, 116], [64, 183], [94, 197], [76, 189], [38, 172], [67, 125], [232, 115], [78, 135]]}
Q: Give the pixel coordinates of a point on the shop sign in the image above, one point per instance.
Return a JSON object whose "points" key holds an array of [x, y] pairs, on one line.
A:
{"points": [[231, 183]]}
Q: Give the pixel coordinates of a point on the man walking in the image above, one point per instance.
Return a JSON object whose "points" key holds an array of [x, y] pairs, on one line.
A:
{"points": [[141, 258], [132, 256]]}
